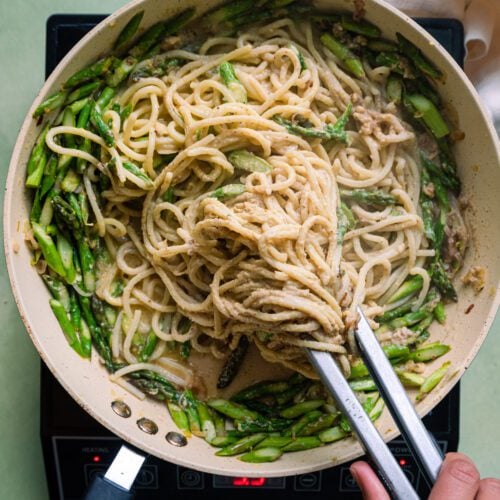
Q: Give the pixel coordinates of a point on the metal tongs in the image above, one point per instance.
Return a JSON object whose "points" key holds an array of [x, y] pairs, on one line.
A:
{"points": [[423, 446]]}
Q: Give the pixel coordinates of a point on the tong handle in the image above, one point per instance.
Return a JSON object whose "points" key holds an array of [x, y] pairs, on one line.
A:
{"points": [[393, 476], [422, 444]]}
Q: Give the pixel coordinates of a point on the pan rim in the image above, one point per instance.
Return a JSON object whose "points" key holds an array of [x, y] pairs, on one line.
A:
{"points": [[17, 291]]}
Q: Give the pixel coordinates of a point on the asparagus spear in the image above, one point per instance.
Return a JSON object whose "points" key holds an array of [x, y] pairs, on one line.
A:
{"points": [[77, 106], [97, 119], [245, 160], [302, 408], [233, 363], [433, 379], [263, 425], [48, 248], [375, 197], [409, 319], [417, 58], [178, 416], [381, 45], [377, 409], [350, 61], [229, 191], [122, 70], [261, 389], [392, 351], [394, 88], [395, 313], [160, 30], [363, 385], [147, 347], [296, 428], [129, 30], [58, 290], [303, 65], [409, 287], [425, 109], [232, 410], [139, 174], [289, 394], [34, 179], [227, 12], [52, 103], [332, 434], [228, 76], [82, 92], [262, 455], [223, 441], [409, 379], [244, 444], [441, 280], [448, 178], [361, 27], [429, 352], [324, 422], [91, 72], [66, 326], [274, 442], [99, 340], [65, 249], [155, 385], [398, 64], [336, 131], [206, 421], [303, 443], [155, 66], [37, 161], [448, 164], [440, 313]]}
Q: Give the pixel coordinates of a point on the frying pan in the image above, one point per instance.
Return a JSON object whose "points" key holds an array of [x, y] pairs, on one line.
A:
{"points": [[87, 382]]}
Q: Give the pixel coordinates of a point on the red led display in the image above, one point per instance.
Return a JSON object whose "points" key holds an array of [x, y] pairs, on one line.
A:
{"points": [[402, 462], [246, 481], [96, 459]]}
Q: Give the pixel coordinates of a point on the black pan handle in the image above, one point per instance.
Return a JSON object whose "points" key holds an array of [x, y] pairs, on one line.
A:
{"points": [[103, 489], [117, 483]]}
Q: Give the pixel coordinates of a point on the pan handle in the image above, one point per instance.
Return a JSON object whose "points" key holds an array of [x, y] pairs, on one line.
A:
{"points": [[116, 484]]}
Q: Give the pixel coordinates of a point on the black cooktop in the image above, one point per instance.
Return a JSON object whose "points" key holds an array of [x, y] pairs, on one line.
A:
{"points": [[76, 447]]}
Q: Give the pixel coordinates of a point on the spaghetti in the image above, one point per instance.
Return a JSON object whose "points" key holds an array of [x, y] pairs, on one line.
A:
{"points": [[239, 209]]}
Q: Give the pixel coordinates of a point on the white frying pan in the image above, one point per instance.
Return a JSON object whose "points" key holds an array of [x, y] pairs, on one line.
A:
{"points": [[479, 163]]}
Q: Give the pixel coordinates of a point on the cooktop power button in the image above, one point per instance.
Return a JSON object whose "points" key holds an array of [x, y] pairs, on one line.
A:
{"points": [[308, 482]]}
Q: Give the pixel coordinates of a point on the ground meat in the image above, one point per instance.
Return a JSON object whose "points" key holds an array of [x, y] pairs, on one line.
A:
{"points": [[414, 367], [429, 190], [359, 9], [428, 145], [400, 336], [385, 127], [455, 241], [476, 277]]}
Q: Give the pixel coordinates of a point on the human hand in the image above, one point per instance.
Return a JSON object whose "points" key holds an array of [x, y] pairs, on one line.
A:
{"points": [[458, 480]]}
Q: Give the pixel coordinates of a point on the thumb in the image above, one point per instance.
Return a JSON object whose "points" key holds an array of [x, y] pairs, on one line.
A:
{"points": [[368, 482]]}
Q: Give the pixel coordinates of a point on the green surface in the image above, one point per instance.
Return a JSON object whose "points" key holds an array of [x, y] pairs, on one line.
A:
{"points": [[22, 40]]}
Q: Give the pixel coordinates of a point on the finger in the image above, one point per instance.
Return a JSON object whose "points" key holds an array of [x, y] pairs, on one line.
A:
{"points": [[458, 479], [368, 482], [489, 489]]}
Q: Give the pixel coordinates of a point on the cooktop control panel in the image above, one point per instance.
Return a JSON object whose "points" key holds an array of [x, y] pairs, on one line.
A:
{"points": [[79, 459]]}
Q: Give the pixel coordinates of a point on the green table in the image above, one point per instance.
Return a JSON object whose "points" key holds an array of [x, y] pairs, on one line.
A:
{"points": [[22, 40]]}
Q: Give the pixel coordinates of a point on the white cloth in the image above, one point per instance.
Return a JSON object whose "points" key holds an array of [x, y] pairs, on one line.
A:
{"points": [[481, 20]]}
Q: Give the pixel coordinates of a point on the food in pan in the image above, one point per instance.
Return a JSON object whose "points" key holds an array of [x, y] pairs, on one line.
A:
{"points": [[249, 178]]}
